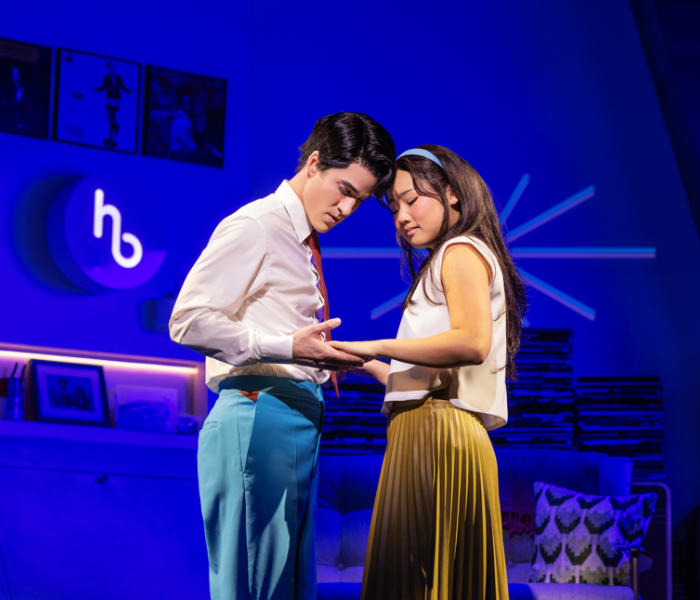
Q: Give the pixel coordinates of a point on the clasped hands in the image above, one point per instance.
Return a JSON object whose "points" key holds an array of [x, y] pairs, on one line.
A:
{"points": [[311, 350]]}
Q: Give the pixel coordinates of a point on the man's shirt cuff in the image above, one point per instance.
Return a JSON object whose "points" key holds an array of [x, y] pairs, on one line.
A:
{"points": [[276, 348]]}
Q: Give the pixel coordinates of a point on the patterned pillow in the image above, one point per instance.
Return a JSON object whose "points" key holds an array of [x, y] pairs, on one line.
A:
{"points": [[586, 539]]}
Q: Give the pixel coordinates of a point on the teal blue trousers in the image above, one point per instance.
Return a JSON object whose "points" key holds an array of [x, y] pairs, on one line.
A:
{"points": [[258, 485]]}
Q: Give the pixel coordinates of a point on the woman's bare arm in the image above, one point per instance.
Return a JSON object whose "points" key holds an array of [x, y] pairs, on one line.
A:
{"points": [[466, 277], [374, 368]]}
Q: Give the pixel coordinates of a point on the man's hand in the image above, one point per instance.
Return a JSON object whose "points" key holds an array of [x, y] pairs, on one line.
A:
{"points": [[310, 350]]}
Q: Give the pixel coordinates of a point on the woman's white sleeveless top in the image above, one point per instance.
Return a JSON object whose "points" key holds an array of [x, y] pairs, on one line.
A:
{"points": [[481, 388]]}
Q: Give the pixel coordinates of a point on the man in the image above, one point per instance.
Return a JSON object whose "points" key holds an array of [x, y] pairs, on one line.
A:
{"points": [[113, 85], [250, 304]]}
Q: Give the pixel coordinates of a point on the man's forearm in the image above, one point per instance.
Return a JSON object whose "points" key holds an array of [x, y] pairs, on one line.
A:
{"points": [[213, 334]]}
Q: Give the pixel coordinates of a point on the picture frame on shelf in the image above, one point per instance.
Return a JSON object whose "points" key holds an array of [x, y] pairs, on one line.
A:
{"points": [[68, 393], [25, 88], [146, 408], [184, 117], [97, 101]]}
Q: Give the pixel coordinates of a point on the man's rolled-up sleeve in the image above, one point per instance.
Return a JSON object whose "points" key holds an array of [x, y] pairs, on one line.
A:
{"points": [[234, 266]]}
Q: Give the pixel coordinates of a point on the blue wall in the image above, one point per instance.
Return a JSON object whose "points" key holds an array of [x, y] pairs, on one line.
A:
{"points": [[560, 91], [46, 310]]}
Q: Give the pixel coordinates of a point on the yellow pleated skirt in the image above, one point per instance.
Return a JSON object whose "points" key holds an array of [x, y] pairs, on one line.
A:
{"points": [[436, 529]]}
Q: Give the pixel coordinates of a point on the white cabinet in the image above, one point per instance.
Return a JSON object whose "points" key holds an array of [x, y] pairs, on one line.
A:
{"points": [[99, 514]]}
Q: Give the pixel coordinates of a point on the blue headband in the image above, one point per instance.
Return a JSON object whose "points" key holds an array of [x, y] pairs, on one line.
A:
{"points": [[423, 153]]}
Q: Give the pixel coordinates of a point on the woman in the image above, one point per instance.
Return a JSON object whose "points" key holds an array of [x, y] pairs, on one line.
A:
{"points": [[436, 529]]}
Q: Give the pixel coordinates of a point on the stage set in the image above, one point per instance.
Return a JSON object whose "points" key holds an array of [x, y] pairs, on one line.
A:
{"points": [[128, 132]]}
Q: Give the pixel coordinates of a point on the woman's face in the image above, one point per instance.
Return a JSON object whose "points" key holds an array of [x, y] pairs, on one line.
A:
{"points": [[418, 218]]}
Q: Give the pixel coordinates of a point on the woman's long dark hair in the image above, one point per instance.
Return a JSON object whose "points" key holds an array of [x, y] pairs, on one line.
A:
{"points": [[477, 218]]}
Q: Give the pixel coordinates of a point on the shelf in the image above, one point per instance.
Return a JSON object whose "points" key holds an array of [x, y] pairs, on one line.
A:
{"points": [[105, 435], [186, 375]]}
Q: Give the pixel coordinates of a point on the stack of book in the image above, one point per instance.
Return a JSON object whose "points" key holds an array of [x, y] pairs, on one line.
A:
{"points": [[613, 415], [541, 401], [353, 423], [622, 416]]}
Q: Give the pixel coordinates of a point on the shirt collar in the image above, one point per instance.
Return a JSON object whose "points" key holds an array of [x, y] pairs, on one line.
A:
{"points": [[296, 211]]}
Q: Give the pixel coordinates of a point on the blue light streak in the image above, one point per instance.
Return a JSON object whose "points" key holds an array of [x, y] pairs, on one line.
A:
{"points": [[558, 295], [571, 252], [388, 306], [552, 213], [514, 197], [583, 252]]}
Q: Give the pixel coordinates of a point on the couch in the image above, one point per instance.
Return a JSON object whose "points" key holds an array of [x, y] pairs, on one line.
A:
{"points": [[347, 488]]}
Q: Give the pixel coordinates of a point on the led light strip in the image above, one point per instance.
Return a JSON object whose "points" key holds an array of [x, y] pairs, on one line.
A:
{"points": [[116, 364]]}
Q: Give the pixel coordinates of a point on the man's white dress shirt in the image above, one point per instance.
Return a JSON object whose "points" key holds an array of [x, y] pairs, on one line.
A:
{"points": [[250, 290]]}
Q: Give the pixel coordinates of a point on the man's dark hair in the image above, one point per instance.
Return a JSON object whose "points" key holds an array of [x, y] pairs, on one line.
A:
{"points": [[346, 138]]}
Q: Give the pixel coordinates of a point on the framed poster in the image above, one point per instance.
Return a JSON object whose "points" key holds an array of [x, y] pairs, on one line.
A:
{"points": [[184, 117], [25, 88], [66, 393], [146, 408], [97, 101]]}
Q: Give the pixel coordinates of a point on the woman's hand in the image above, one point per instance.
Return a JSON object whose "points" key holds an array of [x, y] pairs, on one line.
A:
{"points": [[374, 368], [364, 350]]}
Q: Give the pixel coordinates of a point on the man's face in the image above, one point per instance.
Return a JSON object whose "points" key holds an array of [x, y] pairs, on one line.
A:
{"points": [[332, 195]]}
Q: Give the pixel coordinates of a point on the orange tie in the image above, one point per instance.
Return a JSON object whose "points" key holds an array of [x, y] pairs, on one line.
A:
{"points": [[315, 246]]}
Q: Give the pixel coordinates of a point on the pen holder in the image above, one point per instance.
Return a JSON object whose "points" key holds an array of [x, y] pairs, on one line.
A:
{"points": [[12, 395]]}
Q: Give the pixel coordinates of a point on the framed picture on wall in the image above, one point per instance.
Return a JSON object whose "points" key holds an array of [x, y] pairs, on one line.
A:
{"points": [[59, 392], [25, 88], [185, 117], [97, 101]]}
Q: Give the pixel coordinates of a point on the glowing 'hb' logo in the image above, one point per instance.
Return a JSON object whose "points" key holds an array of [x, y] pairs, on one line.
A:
{"points": [[102, 211], [86, 236]]}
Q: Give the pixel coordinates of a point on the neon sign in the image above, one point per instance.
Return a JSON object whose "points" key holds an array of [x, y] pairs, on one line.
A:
{"points": [[85, 231], [102, 211]]}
